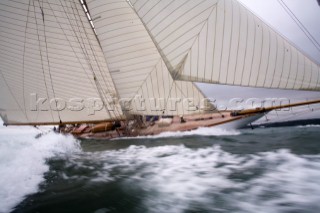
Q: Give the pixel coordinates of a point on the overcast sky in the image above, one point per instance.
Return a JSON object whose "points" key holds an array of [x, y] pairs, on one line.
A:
{"points": [[308, 12]]}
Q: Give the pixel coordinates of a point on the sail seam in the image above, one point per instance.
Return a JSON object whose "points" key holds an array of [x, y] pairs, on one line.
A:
{"points": [[9, 88], [284, 56], [238, 47], [267, 69], [261, 52], [73, 51], [158, 33], [230, 41], [223, 32], [254, 45], [23, 61], [290, 64], [97, 80], [197, 38], [44, 78], [215, 41], [48, 62]]}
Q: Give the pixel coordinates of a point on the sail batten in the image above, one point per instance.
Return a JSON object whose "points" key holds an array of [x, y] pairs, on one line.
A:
{"points": [[225, 43]]}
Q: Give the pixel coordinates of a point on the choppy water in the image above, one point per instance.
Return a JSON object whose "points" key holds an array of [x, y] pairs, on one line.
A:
{"points": [[208, 170]]}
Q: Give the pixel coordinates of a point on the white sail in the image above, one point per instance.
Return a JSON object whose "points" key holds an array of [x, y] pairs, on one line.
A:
{"points": [[222, 42], [49, 52], [139, 72]]}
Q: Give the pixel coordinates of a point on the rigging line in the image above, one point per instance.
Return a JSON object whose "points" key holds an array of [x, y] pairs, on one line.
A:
{"points": [[175, 89], [23, 60], [85, 52], [162, 76], [94, 54], [300, 25], [69, 40], [47, 56], [157, 82], [12, 94], [153, 83], [169, 94], [108, 85], [41, 58]]}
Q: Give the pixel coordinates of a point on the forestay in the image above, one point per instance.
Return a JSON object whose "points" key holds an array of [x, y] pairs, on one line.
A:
{"points": [[139, 72], [222, 42], [52, 68]]}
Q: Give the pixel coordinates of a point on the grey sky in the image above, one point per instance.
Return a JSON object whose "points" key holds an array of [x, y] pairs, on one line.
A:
{"points": [[307, 11]]}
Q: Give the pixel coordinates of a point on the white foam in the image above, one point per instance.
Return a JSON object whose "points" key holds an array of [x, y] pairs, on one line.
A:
{"points": [[23, 161], [309, 126], [177, 178], [202, 131]]}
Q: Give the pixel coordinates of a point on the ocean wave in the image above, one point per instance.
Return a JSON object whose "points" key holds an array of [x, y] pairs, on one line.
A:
{"points": [[309, 126], [177, 179], [23, 161]]}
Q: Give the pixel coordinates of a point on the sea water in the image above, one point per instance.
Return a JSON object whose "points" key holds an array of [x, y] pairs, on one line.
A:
{"points": [[207, 170]]}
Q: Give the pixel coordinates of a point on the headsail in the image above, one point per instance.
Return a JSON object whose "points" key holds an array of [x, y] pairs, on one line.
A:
{"points": [[52, 68], [139, 72], [222, 42]]}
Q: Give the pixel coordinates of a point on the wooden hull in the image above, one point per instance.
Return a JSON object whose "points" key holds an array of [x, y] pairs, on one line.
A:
{"points": [[192, 122]]}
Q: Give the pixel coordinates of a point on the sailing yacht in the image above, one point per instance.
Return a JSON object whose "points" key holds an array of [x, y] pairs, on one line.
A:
{"points": [[117, 68]]}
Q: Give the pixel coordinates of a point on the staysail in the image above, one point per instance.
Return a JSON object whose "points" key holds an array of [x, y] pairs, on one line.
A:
{"points": [[139, 72], [52, 68], [222, 42]]}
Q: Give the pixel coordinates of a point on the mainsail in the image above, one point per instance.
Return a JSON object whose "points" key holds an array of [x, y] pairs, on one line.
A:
{"points": [[52, 68], [139, 72], [222, 42]]}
